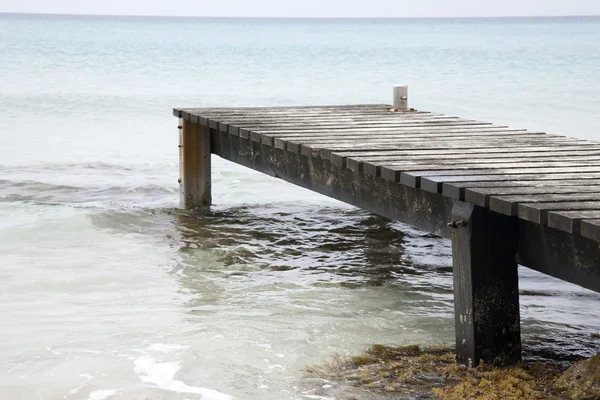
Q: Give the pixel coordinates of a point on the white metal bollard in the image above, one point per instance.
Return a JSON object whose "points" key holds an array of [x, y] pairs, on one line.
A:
{"points": [[401, 97]]}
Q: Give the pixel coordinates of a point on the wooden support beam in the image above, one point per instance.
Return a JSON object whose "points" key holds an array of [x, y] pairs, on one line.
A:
{"points": [[194, 165], [486, 286]]}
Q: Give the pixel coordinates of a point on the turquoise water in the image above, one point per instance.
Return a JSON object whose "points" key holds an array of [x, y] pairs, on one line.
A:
{"points": [[110, 292]]}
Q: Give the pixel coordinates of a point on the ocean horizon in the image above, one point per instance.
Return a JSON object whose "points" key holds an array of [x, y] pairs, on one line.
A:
{"points": [[483, 17]]}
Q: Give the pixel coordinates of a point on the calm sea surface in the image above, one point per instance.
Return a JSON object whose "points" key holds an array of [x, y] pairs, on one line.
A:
{"points": [[109, 292]]}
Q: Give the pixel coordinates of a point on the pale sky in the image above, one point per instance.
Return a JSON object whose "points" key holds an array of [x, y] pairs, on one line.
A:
{"points": [[309, 8]]}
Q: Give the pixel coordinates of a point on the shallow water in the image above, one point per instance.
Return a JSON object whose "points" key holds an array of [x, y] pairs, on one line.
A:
{"points": [[111, 292]]}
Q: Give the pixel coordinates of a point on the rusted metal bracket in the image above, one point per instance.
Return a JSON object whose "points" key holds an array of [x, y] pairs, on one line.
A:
{"points": [[457, 224]]}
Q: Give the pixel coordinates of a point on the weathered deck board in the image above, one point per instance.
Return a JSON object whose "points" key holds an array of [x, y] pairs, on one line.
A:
{"points": [[393, 172], [325, 149], [456, 189], [357, 163], [353, 133], [339, 158], [591, 229], [538, 212], [570, 221], [509, 204], [481, 196], [413, 178]]}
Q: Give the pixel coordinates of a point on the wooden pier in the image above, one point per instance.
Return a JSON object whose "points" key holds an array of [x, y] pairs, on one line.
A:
{"points": [[504, 196]]}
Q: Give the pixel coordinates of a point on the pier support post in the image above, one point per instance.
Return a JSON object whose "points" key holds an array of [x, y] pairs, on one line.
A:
{"points": [[486, 286], [194, 165]]}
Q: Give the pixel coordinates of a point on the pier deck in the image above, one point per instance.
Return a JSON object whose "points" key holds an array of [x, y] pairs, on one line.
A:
{"points": [[503, 195]]}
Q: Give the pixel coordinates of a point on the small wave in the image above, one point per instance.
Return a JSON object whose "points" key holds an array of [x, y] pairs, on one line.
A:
{"points": [[102, 394], [38, 186], [49, 193], [132, 220], [67, 166]]}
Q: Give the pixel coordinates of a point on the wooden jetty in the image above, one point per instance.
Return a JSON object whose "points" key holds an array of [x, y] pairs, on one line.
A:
{"points": [[504, 196]]}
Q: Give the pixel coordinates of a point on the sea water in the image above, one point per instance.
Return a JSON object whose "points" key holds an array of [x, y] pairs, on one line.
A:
{"points": [[110, 292]]}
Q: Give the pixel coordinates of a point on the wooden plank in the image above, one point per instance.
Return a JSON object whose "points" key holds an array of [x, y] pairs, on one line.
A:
{"points": [[318, 132], [570, 221], [252, 124], [355, 163], [374, 169], [355, 160], [203, 117], [538, 212], [410, 174], [492, 152], [329, 136], [353, 130], [481, 196], [249, 119], [509, 205], [291, 107], [473, 159], [342, 117], [324, 150], [353, 119], [330, 117], [300, 110], [456, 190], [399, 136], [266, 115], [413, 178], [452, 186], [295, 124], [401, 142], [408, 138], [591, 229]]}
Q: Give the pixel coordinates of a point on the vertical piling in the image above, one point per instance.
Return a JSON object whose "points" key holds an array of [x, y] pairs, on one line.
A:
{"points": [[486, 286], [194, 165]]}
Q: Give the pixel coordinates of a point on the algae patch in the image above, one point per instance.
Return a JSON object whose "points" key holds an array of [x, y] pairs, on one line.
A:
{"points": [[432, 373], [582, 380]]}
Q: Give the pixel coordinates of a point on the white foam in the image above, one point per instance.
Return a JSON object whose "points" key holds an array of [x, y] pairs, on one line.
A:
{"points": [[163, 376], [91, 351], [166, 348], [55, 352], [102, 394]]}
